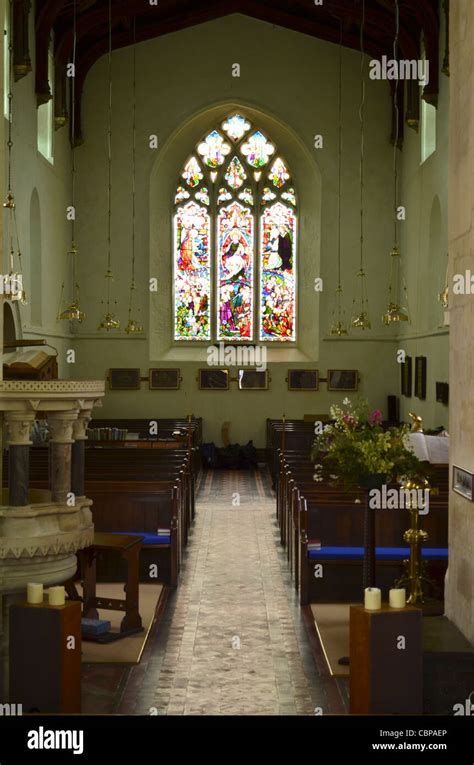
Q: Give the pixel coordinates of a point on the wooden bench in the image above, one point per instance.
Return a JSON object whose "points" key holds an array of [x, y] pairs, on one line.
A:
{"points": [[165, 426], [308, 510], [293, 435]]}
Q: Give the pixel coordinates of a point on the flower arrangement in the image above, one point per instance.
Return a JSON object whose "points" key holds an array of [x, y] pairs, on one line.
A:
{"points": [[355, 447]]}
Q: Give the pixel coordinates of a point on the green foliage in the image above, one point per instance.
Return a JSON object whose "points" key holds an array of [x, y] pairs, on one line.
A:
{"points": [[355, 446]]}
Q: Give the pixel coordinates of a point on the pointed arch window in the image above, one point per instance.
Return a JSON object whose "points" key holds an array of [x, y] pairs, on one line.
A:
{"points": [[234, 239]]}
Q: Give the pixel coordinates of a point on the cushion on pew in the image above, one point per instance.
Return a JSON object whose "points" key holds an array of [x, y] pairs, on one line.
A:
{"points": [[382, 553], [148, 537]]}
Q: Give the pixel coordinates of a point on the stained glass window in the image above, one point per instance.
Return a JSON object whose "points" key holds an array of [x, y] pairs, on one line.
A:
{"points": [[279, 174], [268, 195], [181, 195], [224, 195], [236, 126], [235, 290], [277, 274], [246, 196], [192, 172], [289, 196], [192, 273], [202, 196], [213, 149], [235, 174], [235, 239], [257, 150]]}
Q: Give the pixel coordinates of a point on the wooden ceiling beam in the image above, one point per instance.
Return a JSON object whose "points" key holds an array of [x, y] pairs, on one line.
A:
{"points": [[173, 15]]}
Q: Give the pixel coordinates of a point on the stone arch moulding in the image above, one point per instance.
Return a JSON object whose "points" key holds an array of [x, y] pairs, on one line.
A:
{"points": [[163, 177]]}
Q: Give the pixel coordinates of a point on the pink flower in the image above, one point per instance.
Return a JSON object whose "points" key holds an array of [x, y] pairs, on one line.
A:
{"points": [[349, 420], [376, 417]]}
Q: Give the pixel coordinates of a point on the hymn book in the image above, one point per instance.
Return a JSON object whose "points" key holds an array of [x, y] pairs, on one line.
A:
{"points": [[433, 449], [26, 359]]}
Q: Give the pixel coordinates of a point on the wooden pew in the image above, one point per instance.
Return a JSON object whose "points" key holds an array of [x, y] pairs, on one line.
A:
{"points": [[123, 464], [339, 527], [293, 435], [309, 510], [165, 428], [141, 491], [143, 507]]}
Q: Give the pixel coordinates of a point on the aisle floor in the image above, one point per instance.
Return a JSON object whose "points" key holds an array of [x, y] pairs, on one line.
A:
{"points": [[232, 639]]}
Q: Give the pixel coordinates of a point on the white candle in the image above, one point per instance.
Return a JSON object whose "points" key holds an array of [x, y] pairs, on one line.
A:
{"points": [[57, 596], [372, 598], [397, 598], [34, 593]]}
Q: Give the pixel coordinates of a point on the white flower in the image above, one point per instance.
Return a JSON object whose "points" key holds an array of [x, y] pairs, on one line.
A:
{"points": [[346, 401], [317, 477], [357, 501], [326, 428]]}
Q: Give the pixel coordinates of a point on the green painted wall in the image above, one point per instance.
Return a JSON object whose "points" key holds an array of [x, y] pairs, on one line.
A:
{"points": [[288, 85], [42, 193], [289, 91], [424, 247]]}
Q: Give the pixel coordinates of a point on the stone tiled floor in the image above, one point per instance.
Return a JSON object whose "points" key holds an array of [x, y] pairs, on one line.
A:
{"points": [[232, 639]]}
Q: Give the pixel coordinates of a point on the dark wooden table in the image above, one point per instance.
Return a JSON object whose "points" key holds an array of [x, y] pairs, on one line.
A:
{"points": [[128, 547]]}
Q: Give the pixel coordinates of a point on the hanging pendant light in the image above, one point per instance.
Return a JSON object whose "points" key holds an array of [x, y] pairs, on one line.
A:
{"points": [[360, 315], [338, 326], [133, 326], [109, 320], [72, 310], [12, 287], [397, 310]]}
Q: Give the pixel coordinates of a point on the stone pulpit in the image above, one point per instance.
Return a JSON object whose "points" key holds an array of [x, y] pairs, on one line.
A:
{"points": [[41, 530]]}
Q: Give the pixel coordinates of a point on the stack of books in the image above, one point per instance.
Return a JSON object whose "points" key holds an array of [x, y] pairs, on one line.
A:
{"points": [[107, 434]]}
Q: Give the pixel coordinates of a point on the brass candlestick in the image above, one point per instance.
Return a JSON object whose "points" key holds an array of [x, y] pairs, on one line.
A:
{"points": [[416, 422], [414, 576]]}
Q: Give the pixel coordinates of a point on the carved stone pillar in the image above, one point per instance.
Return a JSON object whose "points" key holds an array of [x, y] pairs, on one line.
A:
{"points": [[61, 425], [19, 426], [78, 452]]}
